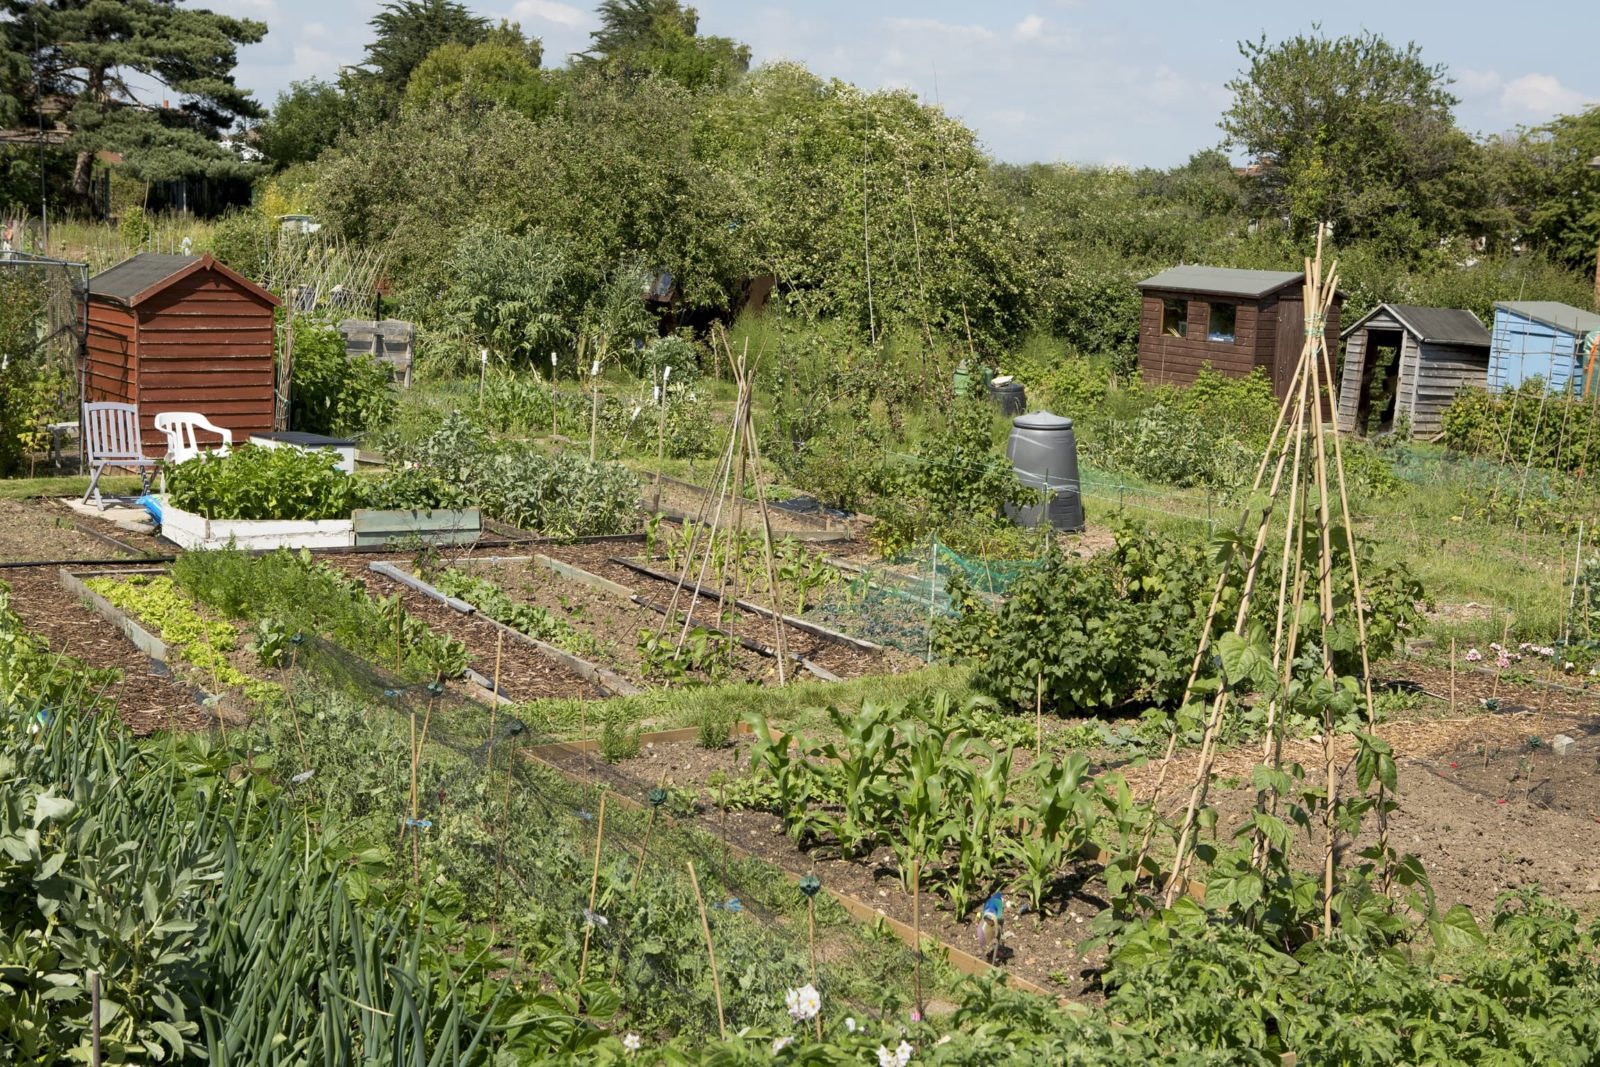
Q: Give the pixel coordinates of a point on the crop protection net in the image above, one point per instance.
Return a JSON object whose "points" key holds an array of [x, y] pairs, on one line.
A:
{"points": [[477, 799], [897, 603]]}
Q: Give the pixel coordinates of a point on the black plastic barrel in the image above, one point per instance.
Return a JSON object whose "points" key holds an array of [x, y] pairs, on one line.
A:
{"points": [[1010, 396], [1044, 451]]}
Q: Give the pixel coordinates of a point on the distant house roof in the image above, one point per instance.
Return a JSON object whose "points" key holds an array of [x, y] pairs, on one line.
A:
{"points": [[1437, 326], [142, 276], [1553, 313]]}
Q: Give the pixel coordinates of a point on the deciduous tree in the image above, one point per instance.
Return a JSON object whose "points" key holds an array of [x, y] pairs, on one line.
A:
{"points": [[1350, 130]]}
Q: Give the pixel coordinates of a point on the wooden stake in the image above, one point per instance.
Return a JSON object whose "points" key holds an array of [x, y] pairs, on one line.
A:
{"points": [[1038, 716], [916, 933], [644, 847], [711, 951], [594, 412], [594, 891], [811, 932], [94, 1019], [1452, 676], [661, 438]]}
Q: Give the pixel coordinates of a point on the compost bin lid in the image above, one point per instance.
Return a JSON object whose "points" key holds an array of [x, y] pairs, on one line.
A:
{"points": [[1042, 420]]}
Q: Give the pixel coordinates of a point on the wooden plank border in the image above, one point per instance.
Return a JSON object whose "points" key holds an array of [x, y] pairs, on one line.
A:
{"points": [[606, 680]]}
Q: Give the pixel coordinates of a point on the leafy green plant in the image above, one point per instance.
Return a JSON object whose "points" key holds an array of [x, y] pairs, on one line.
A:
{"points": [[529, 619], [252, 482], [203, 643], [335, 393]]}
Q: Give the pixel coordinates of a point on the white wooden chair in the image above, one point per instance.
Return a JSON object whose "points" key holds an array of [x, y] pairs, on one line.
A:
{"points": [[183, 441], [111, 439]]}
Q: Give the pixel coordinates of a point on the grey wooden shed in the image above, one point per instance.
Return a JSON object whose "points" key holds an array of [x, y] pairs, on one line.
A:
{"points": [[1400, 359]]}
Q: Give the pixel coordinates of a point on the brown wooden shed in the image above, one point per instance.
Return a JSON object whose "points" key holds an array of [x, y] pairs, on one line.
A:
{"points": [[1235, 320], [181, 333]]}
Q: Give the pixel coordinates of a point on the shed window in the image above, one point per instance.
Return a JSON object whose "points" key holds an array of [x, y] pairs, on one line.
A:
{"points": [[1174, 317], [1220, 327]]}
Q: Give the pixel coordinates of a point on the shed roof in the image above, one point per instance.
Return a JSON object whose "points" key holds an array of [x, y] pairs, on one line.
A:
{"points": [[142, 276], [1553, 313], [1438, 326], [1225, 281]]}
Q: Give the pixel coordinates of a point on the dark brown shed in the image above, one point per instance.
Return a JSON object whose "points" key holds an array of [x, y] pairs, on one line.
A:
{"points": [[1235, 320], [181, 333]]}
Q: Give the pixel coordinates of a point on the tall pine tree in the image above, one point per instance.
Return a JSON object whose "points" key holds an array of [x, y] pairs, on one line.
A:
{"points": [[147, 79]]}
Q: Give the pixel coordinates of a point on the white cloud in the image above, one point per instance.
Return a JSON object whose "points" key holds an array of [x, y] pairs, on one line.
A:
{"points": [[969, 31], [1539, 94], [549, 11], [1526, 98], [310, 61], [1030, 28]]}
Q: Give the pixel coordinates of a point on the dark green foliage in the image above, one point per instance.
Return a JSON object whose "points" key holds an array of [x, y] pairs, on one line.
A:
{"points": [[333, 393], [215, 925], [30, 386], [90, 52], [1120, 628], [638, 38], [262, 483], [407, 31], [306, 121], [560, 495], [1101, 633], [1527, 425], [1357, 131]]}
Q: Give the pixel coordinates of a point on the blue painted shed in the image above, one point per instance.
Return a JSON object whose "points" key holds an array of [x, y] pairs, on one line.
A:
{"points": [[1539, 338]]}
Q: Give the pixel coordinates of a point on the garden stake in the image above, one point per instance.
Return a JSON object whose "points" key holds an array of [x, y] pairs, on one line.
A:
{"points": [[711, 952], [1504, 656], [594, 892], [916, 933], [552, 394], [94, 1018], [494, 705], [809, 886], [1038, 716], [656, 797], [661, 439], [1452, 676], [1572, 599]]}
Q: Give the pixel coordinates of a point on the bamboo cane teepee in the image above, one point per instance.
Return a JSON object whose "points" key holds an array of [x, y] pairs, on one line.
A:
{"points": [[1300, 476]]}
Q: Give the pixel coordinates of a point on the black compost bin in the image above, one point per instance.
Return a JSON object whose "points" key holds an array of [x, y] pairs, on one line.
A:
{"points": [[1010, 396]]}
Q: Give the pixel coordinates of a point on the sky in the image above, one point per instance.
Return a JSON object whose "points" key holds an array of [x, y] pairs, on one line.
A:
{"points": [[1077, 81]]}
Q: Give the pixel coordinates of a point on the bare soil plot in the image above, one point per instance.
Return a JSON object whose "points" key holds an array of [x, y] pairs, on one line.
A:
{"points": [[525, 673], [614, 623], [840, 659]]}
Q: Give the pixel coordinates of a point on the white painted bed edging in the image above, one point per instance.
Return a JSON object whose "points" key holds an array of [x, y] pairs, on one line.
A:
{"points": [[190, 531]]}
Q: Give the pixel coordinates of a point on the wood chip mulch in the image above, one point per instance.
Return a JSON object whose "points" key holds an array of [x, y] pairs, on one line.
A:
{"points": [[146, 700]]}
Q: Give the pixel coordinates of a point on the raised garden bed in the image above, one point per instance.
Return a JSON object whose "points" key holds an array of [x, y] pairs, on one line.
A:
{"points": [[605, 612], [835, 654], [365, 527]]}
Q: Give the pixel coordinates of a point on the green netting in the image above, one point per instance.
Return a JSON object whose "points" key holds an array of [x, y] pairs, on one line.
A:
{"points": [[896, 602], [511, 842]]}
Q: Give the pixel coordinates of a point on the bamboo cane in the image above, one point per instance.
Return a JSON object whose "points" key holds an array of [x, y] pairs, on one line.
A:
{"points": [[711, 952]]}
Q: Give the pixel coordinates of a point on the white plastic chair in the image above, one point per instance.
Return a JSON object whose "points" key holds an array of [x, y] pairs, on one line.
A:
{"points": [[111, 439], [183, 441]]}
